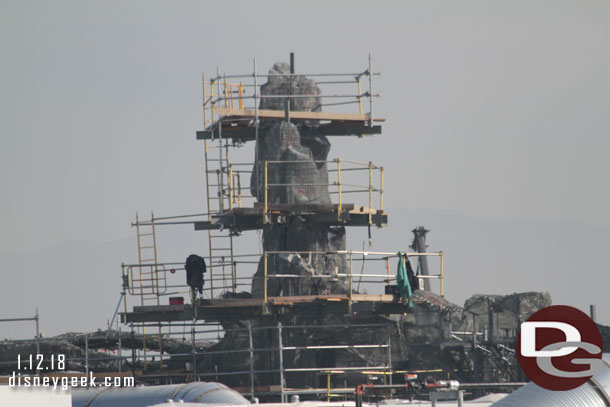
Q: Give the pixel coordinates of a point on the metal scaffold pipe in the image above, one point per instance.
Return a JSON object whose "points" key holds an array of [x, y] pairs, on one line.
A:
{"points": [[269, 75], [370, 75], [256, 124]]}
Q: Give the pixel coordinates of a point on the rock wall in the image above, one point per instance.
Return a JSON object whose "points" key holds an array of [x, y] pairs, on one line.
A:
{"points": [[420, 340], [302, 177]]}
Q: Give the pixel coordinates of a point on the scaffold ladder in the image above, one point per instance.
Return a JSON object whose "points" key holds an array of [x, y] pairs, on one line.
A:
{"points": [[218, 177], [220, 183], [150, 281]]}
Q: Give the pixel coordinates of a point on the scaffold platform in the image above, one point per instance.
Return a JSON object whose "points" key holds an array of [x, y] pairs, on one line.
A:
{"points": [[328, 124], [248, 308], [253, 218]]}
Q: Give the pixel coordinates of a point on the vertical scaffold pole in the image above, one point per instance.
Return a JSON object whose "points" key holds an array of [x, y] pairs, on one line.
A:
{"points": [[442, 274], [359, 98], [203, 104], [238, 189], [118, 355], [87, 357], [381, 188], [265, 284], [194, 354], [351, 280], [370, 90], [359, 95], [370, 193], [144, 347], [281, 360], [226, 93], [251, 349], [218, 85], [154, 237], [160, 348], [240, 92], [389, 348], [139, 260], [36, 318], [125, 286], [221, 187], [340, 208], [387, 266], [256, 148], [212, 103], [133, 350], [230, 186], [266, 194]]}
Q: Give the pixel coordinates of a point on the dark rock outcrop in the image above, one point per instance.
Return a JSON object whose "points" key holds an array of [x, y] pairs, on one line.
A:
{"points": [[436, 336]]}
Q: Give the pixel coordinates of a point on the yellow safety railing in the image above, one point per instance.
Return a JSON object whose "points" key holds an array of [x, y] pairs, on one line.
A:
{"points": [[156, 283], [229, 179], [349, 274], [234, 188], [341, 186], [338, 184], [220, 93]]}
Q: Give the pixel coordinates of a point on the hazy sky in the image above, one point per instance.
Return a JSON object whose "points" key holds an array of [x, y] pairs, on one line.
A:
{"points": [[494, 109]]}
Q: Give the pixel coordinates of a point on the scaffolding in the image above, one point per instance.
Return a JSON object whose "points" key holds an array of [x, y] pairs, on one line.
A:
{"points": [[385, 278], [243, 278], [231, 113], [36, 319], [282, 350], [114, 361], [128, 365], [232, 117]]}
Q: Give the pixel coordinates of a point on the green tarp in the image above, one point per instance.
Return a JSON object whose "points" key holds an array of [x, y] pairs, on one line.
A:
{"points": [[402, 280]]}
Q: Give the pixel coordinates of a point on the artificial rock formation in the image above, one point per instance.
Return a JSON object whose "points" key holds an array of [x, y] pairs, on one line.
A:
{"points": [[434, 337], [297, 167], [430, 337]]}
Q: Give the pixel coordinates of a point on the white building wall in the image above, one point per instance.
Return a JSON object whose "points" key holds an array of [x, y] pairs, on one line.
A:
{"points": [[34, 397]]}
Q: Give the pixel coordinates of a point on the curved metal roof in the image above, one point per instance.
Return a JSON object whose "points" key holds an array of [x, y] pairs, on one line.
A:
{"points": [[595, 393], [196, 392]]}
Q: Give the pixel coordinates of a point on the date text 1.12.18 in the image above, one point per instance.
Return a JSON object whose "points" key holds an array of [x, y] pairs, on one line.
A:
{"points": [[38, 362]]}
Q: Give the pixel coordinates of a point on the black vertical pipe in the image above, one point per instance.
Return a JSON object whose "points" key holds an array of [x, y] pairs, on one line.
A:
{"points": [[490, 321], [289, 105], [419, 245]]}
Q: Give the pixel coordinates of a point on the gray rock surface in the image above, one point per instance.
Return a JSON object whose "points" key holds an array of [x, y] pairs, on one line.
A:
{"points": [[302, 177]]}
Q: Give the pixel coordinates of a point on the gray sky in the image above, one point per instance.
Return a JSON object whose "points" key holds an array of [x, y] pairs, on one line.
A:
{"points": [[496, 110]]}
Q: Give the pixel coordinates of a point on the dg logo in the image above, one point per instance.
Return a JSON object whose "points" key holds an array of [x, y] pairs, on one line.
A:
{"points": [[559, 348]]}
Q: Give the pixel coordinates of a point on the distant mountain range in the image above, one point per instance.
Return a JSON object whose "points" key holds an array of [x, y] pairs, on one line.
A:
{"points": [[76, 284]]}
